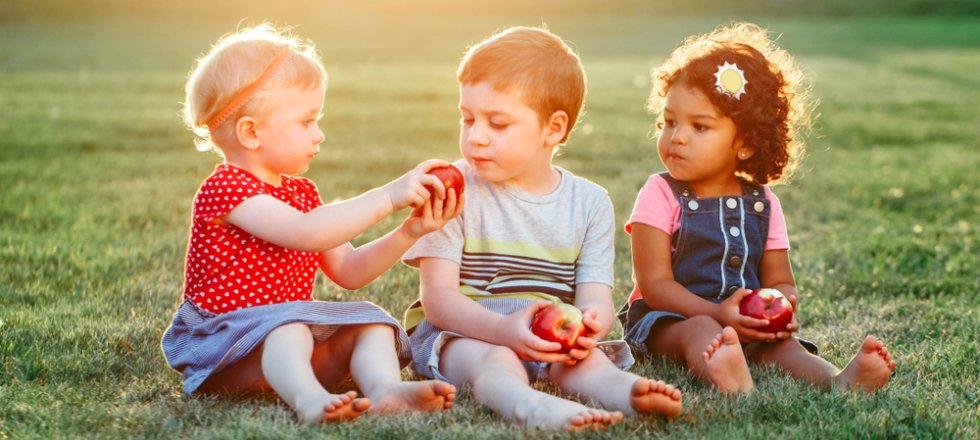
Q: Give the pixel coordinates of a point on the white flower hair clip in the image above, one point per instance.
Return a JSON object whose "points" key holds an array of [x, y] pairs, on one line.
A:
{"points": [[730, 80]]}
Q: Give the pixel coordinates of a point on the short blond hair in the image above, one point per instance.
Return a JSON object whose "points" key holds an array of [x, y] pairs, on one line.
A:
{"points": [[535, 63], [233, 63]]}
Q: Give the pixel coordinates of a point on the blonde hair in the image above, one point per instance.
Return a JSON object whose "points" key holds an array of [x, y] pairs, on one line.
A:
{"points": [[533, 62], [234, 62], [774, 112]]}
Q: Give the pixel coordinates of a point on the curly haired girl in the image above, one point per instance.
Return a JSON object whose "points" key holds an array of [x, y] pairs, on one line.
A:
{"points": [[708, 232]]}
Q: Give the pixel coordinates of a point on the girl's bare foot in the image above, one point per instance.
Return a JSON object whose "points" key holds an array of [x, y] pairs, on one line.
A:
{"points": [[725, 363], [550, 412], [424, 396], [331, 407], [869, 370], [655, 396]]}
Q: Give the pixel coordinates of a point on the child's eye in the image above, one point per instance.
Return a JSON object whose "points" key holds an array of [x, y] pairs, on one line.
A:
{"points": [[668, 123], [700, 127], [498, 125], [466, 121]]}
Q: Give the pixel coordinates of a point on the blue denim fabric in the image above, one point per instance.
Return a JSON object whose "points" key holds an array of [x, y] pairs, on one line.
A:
{"points": [[719, 244], [717, 249]]}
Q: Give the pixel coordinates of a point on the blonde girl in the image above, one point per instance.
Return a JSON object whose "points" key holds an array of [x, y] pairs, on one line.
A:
{"points": [[248, 322]]}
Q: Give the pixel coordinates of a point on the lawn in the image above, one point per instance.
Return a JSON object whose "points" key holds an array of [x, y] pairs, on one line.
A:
{"points": [[98, 174]]}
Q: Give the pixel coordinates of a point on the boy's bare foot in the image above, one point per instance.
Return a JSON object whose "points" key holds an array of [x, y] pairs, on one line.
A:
{"points": [[550, 412], [331, 408], [423, 396], [655, 396], [725, 363], [869, 370]]}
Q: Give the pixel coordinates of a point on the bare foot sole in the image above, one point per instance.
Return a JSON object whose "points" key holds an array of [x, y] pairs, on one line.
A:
{"points": [[550, 412], [423, 396], [655, 396], [725, 363], [869, 370], [332, 408], [593, 419]]}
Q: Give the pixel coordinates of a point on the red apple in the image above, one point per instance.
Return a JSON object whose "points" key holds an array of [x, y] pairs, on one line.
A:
{"points": [[451, 178], [768, 304], [561, 323]]}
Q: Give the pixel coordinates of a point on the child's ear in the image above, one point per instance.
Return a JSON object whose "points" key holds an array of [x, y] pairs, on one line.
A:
{"points": [[743, 152], [556, 127], [246, 132]]}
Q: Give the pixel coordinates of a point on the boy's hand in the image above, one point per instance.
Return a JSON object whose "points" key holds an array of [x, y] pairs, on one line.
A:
{"points": [[517, 336], [413, 188], [586, 342], [433, 216], [745, 326]]}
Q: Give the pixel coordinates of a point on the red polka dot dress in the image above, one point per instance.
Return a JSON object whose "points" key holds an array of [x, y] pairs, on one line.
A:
{"points": [[229, 269], [238, 288]]}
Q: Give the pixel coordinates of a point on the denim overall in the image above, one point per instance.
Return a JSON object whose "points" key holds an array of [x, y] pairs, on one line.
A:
{"points": [[716, 250]]}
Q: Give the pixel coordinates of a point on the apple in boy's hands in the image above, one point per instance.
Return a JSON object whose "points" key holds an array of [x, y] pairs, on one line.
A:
{"points": [[561, 323], [451, 178], [768, 304]]}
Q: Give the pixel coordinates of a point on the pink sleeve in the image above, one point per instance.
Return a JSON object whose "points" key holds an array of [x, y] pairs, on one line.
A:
{"points": [[656, 206], [778, 238]]}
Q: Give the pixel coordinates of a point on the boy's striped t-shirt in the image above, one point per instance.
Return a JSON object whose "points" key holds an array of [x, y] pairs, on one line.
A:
{"points": [[508, 242]]}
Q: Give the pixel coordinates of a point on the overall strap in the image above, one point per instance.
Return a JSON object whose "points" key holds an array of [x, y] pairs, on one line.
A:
{"points": [[752, 189], [680, 188]]}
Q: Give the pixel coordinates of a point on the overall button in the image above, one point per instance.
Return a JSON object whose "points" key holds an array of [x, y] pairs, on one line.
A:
{"points": [[734, 231], [758, 206], [693, 204], [731, 203], [735, 261]]}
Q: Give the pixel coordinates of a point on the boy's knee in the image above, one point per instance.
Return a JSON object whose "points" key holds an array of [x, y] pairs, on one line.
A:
{"points": [[498, 354]]}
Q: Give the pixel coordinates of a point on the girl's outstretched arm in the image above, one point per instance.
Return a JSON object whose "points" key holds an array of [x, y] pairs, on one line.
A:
{"points": [[354, 268], [332, 225]]}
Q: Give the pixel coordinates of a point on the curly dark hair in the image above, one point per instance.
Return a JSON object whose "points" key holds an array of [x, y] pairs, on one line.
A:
{"points": [[770, 116]]}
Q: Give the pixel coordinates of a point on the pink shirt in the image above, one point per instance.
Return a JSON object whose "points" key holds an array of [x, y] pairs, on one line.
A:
{"points": [[229, 269], [656, 206]]}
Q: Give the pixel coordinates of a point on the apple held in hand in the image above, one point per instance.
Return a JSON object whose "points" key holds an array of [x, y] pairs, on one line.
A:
{"points": [[768, 304], [561, 323], [451, 178]]}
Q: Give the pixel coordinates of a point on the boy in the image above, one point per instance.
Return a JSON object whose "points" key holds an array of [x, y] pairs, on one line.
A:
{"points": [[530, 234]]}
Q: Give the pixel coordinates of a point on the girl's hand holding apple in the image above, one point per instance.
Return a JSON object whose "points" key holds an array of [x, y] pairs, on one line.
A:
{"points": [[748, 328], [417, 186]]}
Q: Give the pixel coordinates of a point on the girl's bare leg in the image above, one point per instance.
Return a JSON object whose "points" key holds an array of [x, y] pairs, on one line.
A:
{"points": [[286, 366], [499, 381], [597, 378], [374, 366], [711, 352], [869, 370]]}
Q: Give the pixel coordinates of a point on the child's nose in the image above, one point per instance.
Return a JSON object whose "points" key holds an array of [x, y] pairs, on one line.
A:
{"points": [[478, 136], [678, 136]]}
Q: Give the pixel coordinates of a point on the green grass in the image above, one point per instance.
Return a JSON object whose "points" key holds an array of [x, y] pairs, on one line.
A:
{"points": [[98, 174]]}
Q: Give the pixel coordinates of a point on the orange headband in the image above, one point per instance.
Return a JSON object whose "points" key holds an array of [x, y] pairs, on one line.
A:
{"points": [[246, 94]]}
